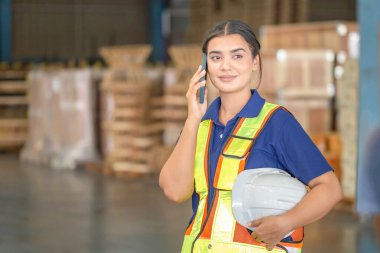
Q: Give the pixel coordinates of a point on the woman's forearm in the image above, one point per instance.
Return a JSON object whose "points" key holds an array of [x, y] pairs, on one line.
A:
{"points": [[177, 175], [324, 194]]}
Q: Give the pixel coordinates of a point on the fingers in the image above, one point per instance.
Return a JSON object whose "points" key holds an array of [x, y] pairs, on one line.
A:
{"points": [[256, 236], [196, 87], [199, 73], [254, 223], [195, 84], [270, 247], [197, 76], [193, 89]]}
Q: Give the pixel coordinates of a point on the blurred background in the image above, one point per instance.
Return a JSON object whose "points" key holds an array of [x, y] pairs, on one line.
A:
{"points": [[92, 101]]}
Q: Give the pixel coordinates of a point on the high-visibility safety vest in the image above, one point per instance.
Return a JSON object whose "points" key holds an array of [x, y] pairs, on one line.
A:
{"points": [[214, 228]]}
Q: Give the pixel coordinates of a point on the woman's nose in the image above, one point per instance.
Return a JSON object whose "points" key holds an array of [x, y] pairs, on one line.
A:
{"points": [[225, 64]]}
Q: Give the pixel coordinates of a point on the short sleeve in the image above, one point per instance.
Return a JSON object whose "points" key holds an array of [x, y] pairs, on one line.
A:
{"points": [[298, 154]]}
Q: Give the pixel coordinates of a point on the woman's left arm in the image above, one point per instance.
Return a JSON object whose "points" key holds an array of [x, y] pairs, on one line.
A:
{"points": [[324, 194]]}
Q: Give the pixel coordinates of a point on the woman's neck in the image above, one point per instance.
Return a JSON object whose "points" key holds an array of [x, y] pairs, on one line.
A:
{"points": [[232, 104]]}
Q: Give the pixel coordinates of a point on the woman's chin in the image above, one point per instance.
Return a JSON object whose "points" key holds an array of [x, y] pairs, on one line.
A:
{"points": [[225, 88]]}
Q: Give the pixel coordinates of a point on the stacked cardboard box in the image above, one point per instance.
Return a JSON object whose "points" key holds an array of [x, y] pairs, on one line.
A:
{"points": [[333, 35], [129, 93], [348, 104], [328, 85], [302, 81], [330, 144]]}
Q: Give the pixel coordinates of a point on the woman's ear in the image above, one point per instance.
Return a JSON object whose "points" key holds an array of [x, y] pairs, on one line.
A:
{"points": [[255, 79], [256, 63]]}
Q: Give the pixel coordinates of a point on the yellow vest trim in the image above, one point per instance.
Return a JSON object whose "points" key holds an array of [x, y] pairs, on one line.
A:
{"points": [[233, 153]]}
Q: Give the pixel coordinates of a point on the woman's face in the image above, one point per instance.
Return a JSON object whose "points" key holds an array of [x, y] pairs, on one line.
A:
{"points": [[230, 63]]}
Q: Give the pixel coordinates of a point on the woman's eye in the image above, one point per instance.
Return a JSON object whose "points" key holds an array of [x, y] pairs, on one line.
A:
{"points": [[215, 58], [237, 56]]}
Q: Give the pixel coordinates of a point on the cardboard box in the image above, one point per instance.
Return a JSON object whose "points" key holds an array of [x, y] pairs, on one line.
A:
{"points": [[313, 114], [331, 35]]}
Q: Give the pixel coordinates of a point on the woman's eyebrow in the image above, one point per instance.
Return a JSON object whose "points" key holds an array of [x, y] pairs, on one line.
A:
{"points": [[232, 51], [237, 49]]}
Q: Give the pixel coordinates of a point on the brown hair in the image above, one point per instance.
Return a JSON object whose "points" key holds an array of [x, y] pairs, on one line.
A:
{"points": [[228, 27]]}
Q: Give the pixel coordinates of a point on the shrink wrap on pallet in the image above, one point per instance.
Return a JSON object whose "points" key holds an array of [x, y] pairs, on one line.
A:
{"points": [[61, 118]]}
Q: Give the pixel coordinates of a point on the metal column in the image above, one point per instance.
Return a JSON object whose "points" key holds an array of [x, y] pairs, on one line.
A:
{"points": [[157, 38], [5, 30], [369, 101]]}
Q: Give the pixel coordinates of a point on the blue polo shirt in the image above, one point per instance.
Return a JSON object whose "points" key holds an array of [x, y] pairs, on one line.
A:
{"points": [[282, 144]]}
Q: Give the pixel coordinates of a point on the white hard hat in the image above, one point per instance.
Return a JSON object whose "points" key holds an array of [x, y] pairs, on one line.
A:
{"points": [[262, 192]]}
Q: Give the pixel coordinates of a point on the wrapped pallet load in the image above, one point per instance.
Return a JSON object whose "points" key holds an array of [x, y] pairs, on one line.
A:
{"points": [[61, 119]]}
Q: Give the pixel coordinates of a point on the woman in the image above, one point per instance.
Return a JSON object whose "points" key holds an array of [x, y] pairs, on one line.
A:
{"points": [[276, 140]]}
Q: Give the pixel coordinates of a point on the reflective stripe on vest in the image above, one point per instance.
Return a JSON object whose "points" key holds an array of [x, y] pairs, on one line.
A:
{"points": [[214, 229], [201, 176]]}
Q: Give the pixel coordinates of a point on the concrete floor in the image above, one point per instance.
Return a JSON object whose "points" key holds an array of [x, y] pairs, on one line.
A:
{"points": [[43, 210]]}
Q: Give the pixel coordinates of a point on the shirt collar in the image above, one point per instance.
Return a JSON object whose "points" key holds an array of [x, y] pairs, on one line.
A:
{"points": [[251, 109]]}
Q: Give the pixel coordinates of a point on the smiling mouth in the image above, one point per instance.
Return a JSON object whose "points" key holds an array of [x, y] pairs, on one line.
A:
{"points": [[227, 78]]}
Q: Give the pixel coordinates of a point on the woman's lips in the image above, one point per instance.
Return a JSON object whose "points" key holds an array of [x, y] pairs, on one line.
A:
{"points": [[227, 78]]}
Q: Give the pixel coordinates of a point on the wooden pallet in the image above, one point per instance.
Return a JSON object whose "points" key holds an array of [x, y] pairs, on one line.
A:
{"points": [[177, 89], [133, 127], [129, 153], [128, 129], [126, 56], [126, 87], [172, 132], [173, 100], [171, 114], [130, 168], [186, 59], [13, 123], [158, 156], [13, 108], [12, 139], [13, 100], [13, 75], [136, 141], [124, 170], [12, 87]]}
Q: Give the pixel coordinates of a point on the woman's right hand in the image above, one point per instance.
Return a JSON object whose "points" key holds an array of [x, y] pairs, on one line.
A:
{"points": [[196, 110]]}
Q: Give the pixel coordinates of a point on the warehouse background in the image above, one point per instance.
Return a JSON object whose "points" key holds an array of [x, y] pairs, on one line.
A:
{"points": [[92, 101]]}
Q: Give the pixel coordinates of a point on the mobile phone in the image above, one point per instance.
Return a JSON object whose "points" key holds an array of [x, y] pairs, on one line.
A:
{"points": [[202, 89]]}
